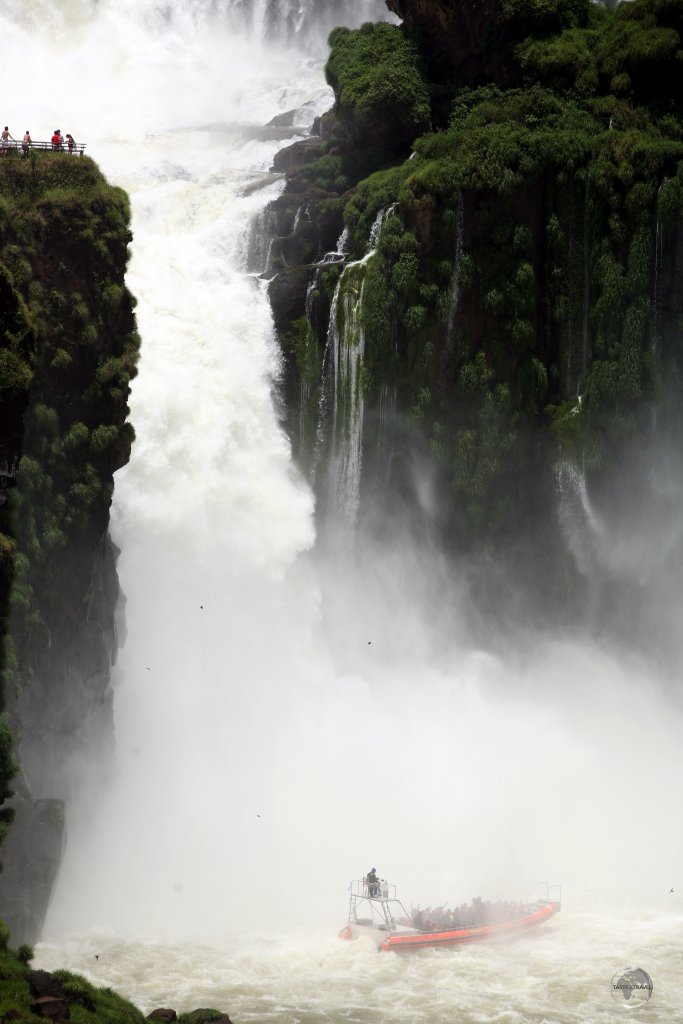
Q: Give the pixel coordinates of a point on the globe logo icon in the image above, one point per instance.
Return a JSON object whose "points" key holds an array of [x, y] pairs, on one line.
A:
{"points": [[631, 987]]}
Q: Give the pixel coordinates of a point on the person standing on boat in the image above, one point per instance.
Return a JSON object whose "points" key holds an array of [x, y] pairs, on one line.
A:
{"points": [[373, 883]]}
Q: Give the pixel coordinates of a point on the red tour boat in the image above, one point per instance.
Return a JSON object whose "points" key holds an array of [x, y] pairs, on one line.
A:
{"points": [[374, 911]]}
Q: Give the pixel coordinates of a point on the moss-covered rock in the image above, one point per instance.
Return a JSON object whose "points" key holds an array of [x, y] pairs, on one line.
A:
{"points": [[380, 92], [68, 350], [524, 300], [27, 995]]}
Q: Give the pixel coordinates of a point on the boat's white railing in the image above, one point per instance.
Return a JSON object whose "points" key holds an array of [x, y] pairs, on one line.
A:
{"points": [[546, 893], [555, 893], [361, 889]]}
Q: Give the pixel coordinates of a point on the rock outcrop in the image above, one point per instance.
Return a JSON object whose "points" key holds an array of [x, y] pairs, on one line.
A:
{"points": [[470, 42], [520, 306], [451, 36], [68, 350]]}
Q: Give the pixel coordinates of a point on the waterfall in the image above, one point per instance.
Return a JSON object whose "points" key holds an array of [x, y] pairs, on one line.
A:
{"points": [[386, 432], [310, 20], [308, 442], [572, 298], [346, 343], [584, 532], [259, 242], [279, 720], [567, 329], [211, 515], [457, 261], [611, 549], [585, 336], [657, 296]]}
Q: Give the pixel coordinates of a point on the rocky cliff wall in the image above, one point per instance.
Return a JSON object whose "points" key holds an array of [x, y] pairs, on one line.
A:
{"points": [[522, 307], [67, 354]]}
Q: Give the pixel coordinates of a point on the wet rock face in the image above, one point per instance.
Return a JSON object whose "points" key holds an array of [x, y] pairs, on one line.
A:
{"points": [[292, 158], [64, 719], [79, 653], [42, 983], [470, 42], [451, 34], [31, 856], [51, 1008], [67, 432], [48, 998], [301, 226], [202, 1016]]}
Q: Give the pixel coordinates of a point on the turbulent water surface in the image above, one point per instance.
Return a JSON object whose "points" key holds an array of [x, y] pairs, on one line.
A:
{"points": [[284, 723], [561, 975]]}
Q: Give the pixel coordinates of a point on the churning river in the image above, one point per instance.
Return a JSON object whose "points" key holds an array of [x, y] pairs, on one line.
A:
{"points": [[284, 723]]}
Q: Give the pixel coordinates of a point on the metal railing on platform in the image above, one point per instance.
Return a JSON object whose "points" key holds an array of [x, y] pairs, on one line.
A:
{"points": [[24, 148]]}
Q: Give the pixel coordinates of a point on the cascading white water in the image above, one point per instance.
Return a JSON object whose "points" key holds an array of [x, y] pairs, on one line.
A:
{"points": [[349, 346], [346, 343], [304, 19], [283, 724], [386, 430], [606, 550]]}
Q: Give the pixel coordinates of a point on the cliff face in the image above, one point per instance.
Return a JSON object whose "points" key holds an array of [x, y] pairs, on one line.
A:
{"points": [[452, 35], [68, 352], [469, 42], [519, 311]]}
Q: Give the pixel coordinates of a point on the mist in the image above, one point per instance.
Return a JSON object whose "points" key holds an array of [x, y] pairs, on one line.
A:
{"points": [[279, 733]]}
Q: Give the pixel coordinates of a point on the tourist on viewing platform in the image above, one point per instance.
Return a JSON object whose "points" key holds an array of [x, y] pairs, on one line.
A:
{"points": [[26, 143], [5, 139], [56, 139], [70, 142]]}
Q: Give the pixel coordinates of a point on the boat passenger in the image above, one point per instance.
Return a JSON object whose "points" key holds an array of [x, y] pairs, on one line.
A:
{"points": [[372, 882]]}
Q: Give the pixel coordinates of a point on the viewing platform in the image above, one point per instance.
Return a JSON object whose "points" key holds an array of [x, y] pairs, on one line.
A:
{"points": [[17, 145]]}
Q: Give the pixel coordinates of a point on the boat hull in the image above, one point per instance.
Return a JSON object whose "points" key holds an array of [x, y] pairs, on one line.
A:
{"points": [[462, 936], [411, 939]]}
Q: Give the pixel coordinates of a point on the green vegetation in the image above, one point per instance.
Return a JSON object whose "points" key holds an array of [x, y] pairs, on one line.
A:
{"points": [[71, 347], [543, 329], [8, 769], [87, 1003], [378, 83], [68, 350]]}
